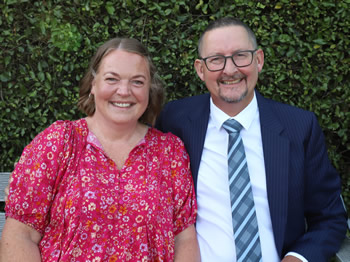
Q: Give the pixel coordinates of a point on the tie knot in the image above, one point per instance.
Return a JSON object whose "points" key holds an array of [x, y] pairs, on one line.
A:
{"points": [[232, 126]]}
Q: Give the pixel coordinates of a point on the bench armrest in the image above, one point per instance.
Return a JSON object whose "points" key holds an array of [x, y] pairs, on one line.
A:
{"points": [[343, 254]]}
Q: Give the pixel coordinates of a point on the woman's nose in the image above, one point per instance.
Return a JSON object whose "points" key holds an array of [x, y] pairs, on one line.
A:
{"points": [[123, 89]]}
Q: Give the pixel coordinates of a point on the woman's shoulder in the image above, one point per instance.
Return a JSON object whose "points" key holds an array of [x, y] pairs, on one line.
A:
{"points": [[62, 131], [66, 126], [166, 143], [165, 137], [63, 125]]}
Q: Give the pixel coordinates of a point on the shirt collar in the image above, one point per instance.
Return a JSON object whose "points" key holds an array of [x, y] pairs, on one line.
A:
{"points": [[92, 139], [245, 117]]}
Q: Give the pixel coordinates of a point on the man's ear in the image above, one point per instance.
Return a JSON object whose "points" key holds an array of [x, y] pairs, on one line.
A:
{"points": [[260, 59], [199, 66]]}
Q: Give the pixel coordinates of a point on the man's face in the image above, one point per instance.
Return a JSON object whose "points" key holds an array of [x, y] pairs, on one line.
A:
{"points": [[232, 88]]}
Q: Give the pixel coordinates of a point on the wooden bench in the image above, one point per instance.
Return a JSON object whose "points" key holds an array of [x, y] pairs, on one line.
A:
{"points": [[342, 256], [4, 178]]}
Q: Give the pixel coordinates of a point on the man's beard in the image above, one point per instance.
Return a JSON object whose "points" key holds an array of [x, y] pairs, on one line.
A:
{"points": [[233, 100]]}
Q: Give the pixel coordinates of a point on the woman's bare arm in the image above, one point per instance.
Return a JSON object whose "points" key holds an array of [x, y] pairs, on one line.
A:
{"points": [[19, 242], [186, 246]]}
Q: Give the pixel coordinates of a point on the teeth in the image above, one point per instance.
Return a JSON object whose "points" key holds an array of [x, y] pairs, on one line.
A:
{"points": [[122, 104], [231, 82]]}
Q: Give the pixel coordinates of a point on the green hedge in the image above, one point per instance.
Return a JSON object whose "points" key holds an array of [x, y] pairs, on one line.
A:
{"points": [[46, 46]]}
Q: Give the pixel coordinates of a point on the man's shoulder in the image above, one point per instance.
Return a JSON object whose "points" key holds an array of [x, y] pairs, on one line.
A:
{"points": [[192, 105], [281, 107], [190, 101], [289, 116], [176, 113]]}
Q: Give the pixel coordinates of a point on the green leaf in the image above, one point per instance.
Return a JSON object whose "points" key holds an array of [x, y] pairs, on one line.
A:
{"points": [[41, 76], [5, 77], [42, 27], [110, 9], [320, 41]]}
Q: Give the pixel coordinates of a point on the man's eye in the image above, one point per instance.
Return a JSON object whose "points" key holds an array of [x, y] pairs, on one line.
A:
{"points": [[216, 60], [241, 55]]}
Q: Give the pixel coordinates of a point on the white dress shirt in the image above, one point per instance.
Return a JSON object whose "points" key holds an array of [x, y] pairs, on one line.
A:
{"points": [[214, 220]]}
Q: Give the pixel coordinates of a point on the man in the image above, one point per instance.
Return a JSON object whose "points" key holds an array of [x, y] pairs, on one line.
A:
{"points": [[296, 191]]}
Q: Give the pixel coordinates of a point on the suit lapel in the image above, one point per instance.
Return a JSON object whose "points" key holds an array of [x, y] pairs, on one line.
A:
{"points": [[276, 157]]}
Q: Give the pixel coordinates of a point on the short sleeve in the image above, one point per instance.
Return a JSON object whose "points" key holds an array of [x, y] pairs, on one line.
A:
{"points": [[183, 188], [34, 181]]}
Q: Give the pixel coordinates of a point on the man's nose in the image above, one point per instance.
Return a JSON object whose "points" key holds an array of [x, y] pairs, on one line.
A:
{"points": [[230, 67]]}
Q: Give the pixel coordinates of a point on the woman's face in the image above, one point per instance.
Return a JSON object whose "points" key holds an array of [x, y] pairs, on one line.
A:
{"points": [[121, 87]]}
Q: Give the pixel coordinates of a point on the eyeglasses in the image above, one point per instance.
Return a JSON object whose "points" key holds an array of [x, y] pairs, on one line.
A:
{"points": [[240, 59]]}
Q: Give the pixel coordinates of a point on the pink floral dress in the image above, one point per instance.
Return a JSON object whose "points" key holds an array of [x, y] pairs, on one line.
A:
{"points": [[66, 188]]}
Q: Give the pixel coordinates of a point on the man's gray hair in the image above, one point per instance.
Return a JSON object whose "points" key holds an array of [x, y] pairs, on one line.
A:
{"points": [[223, 22]]}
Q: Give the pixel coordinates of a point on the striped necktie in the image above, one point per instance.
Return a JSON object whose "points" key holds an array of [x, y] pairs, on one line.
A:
{"points": [[244, 221]]}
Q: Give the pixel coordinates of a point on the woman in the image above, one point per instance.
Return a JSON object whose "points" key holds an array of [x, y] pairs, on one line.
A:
{"points": [[107, 187]]}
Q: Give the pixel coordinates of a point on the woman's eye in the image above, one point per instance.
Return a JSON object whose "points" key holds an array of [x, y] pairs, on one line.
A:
{"points": [[138, 82], [111, 79]]}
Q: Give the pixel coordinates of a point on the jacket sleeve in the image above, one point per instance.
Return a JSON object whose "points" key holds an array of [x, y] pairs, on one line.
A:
{"points": [[324, 210]]}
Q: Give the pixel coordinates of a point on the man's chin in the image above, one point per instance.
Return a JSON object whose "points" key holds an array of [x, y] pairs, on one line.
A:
{"points": [[233, 98]]}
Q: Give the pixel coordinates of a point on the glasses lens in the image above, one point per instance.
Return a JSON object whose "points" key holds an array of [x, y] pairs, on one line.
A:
{"points": [[215, 62], [240, 59], [243, 58]]}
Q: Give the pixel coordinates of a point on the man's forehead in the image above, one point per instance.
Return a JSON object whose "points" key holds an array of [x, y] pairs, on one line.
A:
{"points": [[224, 31], [228, 37]]}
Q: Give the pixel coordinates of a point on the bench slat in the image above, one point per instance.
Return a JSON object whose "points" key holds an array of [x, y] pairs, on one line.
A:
{"points": [[2, 222], [4, 180], [343, 254]]}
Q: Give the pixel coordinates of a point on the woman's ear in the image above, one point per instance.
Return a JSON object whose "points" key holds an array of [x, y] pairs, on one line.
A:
{"points": [[93, 86]]}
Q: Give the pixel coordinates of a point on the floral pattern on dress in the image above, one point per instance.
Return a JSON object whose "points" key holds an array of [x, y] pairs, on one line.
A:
{"points": [[72, 193]]}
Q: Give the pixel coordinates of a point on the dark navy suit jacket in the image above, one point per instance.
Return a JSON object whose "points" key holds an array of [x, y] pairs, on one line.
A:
{"points": [[303, 188]]}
